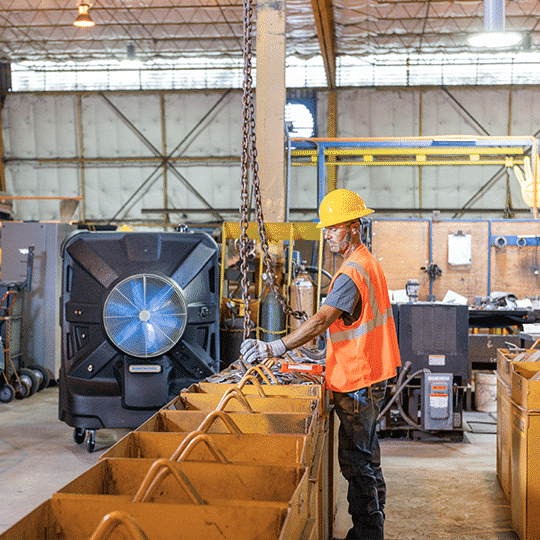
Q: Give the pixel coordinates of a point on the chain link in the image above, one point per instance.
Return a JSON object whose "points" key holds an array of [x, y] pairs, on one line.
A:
{"points": [[249, 164]]}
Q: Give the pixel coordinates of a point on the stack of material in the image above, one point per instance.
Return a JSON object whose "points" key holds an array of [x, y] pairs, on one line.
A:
{"points": [[231, 460], [518, 442]]}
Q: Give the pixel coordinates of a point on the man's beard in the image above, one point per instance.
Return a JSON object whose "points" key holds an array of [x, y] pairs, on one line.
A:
{"points": [[343, 245]]}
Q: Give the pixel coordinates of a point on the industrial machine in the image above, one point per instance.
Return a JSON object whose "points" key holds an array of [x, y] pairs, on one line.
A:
{"points": [[429, 393], [139, 322]]}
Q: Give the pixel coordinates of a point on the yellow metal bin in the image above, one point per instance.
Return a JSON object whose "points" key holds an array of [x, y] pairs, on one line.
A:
{"points": [[279, 449], [70, 517], [506, 357], [237, 401], [190, 482], [239, 422], [252, 387], [247, 461]]}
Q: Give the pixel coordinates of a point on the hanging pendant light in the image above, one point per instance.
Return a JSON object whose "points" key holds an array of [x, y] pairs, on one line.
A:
{"points": [[494, 35], [84, 20]]}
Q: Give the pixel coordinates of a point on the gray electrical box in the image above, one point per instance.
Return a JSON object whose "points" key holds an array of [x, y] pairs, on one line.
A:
{"points": [[437, 401], [40, 340]]}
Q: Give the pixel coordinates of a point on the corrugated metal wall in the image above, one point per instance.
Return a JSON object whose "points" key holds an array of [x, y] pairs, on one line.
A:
{"points": [[122, 137]]}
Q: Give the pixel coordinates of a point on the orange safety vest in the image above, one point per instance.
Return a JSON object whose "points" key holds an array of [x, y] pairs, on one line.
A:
{"points": [[367, 351]]}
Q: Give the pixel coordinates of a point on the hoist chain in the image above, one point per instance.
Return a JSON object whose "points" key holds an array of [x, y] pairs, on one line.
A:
{"points": [[249, 164]]}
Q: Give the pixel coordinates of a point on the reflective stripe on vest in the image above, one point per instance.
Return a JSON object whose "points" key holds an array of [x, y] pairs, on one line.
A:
{"points": [[379, 318]]}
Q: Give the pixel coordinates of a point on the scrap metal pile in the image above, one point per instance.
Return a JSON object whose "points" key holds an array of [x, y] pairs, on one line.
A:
{"points": [[294, 368]]}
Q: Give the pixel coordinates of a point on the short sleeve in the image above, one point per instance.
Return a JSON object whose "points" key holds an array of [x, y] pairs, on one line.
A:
{"points": [[344, 294]]}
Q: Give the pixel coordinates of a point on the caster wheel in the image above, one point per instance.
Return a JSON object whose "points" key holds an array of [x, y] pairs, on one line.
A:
{"points": [[30, 378], [41, 373], [52, 380], [22, 389], [7, 393], [91, 441], [79, 434]]}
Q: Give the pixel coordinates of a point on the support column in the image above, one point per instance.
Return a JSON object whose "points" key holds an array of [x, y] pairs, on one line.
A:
{"points": [[270, 106], [420, 134], [2, 157], [163, 116], [80, 146], [5, 86], [332, 134]]}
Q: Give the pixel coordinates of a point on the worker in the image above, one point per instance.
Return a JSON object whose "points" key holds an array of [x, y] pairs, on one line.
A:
{"points": [[362, 355]]}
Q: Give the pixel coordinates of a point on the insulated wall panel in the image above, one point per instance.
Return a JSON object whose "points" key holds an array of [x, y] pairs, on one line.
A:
{"points": [[123, 134], [108, 190], [122, 139], [204, 127], [465, 112], [107, 134], [38, 128], [39, 125], [372, 113], [365, 112]]}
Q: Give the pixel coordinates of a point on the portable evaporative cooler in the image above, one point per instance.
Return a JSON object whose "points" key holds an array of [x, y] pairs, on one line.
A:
{"points": [[140, 321]]}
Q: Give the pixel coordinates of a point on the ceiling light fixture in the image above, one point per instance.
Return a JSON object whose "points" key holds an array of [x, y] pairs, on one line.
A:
{"points": [[494, 35], [84, 20]]}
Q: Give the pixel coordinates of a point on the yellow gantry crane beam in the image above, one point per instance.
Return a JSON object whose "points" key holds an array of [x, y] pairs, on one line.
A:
{"points": [[506, 151]]}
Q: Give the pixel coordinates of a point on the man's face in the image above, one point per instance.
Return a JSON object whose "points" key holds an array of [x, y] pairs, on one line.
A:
{"points": [[338, 237]]}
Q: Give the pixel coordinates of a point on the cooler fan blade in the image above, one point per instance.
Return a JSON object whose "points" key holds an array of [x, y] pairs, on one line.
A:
{"points": [[145, 315]]}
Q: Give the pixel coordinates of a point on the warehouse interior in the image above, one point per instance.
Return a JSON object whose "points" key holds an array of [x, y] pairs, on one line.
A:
{"points": [[162, 168]]}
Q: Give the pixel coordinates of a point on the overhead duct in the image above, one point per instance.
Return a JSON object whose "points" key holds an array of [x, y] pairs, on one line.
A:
{"points": [[494, 14]]}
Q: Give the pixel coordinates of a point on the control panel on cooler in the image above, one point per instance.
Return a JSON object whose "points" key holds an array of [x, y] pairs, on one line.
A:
{"points": [[437, 401]]}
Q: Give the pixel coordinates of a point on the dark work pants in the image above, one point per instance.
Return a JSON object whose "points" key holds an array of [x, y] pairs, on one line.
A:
{"points": [[360, 459]]}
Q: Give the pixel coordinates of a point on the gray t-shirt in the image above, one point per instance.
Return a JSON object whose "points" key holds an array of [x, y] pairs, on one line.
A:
{"points": [[345, 296]]}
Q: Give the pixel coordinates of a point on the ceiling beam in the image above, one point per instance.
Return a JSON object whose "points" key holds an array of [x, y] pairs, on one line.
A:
{"points": [[324, 20]]}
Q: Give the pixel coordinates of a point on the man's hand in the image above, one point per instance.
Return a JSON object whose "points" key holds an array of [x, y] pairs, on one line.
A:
{"points": [[254, 350]]}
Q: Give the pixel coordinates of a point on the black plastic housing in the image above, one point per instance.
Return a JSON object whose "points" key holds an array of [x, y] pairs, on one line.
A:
{"points": [[435, 336], [100, 386]]}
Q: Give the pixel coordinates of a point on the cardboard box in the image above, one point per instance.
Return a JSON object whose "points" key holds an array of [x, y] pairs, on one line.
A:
{"points": [[505, 357], [525, 488], [504, 468], [525, 392]]}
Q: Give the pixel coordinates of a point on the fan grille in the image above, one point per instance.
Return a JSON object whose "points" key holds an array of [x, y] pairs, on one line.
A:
{"points": [[145, 315]]}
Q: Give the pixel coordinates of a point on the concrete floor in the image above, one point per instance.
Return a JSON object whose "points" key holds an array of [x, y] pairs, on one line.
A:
{"points": [[435, 490], [440, 490]]}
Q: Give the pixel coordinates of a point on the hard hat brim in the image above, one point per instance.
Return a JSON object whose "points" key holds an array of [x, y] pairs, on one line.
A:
{"points": [[343, 218]]}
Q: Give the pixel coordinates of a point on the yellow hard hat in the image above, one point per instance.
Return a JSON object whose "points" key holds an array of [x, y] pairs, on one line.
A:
{"points": [[340, 206]]}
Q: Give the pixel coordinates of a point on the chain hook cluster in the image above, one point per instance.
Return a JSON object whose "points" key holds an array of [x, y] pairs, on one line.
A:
{"points": [[249, 165]]}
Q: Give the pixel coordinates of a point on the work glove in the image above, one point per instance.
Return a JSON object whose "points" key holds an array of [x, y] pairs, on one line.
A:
{"points": [[254, 350]]}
